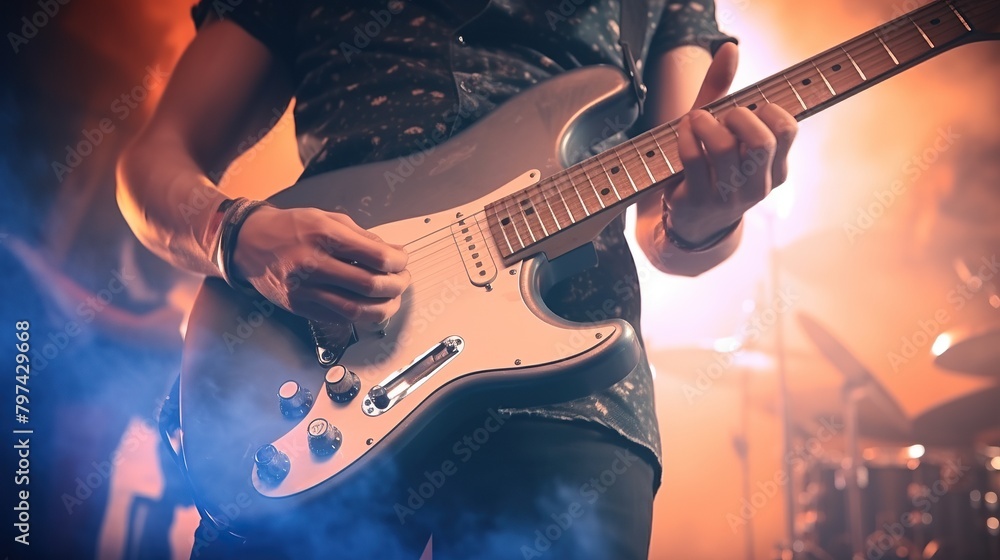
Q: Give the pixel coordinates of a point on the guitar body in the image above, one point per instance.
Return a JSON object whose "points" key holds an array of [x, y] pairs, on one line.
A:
{"points": [[469, 337]]}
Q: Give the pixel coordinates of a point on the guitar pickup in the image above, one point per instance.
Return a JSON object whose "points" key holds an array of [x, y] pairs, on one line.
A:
{"points": [[402, 382], [476, 257]]}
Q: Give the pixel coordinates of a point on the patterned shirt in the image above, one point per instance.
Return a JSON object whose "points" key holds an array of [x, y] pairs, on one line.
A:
{"points": [[379, 80]]}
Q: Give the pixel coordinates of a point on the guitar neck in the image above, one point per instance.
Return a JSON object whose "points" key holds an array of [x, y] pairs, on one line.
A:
{"points": [[615, 176]]}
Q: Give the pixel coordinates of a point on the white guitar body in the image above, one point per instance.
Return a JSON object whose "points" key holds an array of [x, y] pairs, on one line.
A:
{"points": [[492, 341]]}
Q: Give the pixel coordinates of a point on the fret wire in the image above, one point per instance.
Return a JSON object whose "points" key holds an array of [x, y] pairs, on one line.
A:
{"points": [[766, 100], [569, 212], [797, 96], [825, 81], [549, 206], [662, 152], [577, 191], [924, 35], [855, 64], [947, 27], [958, 15], [506, 206], [573, 188], [520, 208], [534, 212], [886, 47], [608, 175], [496, 215], [593, 187], [624, 168], [906, 44], [646, 167]]}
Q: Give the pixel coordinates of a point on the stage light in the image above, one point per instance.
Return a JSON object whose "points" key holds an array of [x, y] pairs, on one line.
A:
{"points": [[915, 451], [941, 343]]}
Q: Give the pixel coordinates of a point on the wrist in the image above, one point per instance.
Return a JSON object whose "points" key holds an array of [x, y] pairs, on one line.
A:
{"points": [[234, 214], [695, 244]]}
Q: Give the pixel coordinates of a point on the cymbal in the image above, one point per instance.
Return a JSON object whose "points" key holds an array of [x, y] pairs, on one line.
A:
{"points": [[879, 415], [959, 421], [977, 354]]}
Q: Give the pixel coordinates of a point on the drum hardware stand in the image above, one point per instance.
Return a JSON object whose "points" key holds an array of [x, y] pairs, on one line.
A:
{"points": [[741, 446], [787, 547], [853, 395]]}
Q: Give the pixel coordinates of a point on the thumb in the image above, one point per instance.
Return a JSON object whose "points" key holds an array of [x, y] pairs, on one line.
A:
{"points": [[719, 76]]}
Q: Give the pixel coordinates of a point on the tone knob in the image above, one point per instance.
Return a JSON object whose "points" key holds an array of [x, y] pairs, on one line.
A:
{"points": [[342, 384], [324, 437], [295, 400], [272, 464], [379, 396]]}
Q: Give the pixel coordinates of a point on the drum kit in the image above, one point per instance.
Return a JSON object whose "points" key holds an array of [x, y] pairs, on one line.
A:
{"points": [[901, 487], [933, 494]]}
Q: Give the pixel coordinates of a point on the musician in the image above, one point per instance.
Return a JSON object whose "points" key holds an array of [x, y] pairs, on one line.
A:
{"points": [[377, 80]]}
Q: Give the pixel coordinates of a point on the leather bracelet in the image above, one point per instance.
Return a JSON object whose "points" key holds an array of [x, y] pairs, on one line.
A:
{"points": [[211, 233], [687, 246], [216, 225], [233, 221]]}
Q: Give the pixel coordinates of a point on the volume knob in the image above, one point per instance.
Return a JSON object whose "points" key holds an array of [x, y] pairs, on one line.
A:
{"points": [[324, 437], [342, 384], [295, 400], [272, 464]]}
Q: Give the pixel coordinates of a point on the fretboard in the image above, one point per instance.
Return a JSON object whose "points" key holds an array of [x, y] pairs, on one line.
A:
{"points": [[613, 177]]}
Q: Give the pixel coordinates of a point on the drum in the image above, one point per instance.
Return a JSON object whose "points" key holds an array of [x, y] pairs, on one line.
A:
{"points": [[916, 503]]}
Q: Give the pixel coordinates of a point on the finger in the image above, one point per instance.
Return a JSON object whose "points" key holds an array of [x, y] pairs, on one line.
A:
{"points": [[720, 75], [335, 304], [759, 143], [696, 167], [721, 146], [351, 243], [360, 280], [784, 127]]}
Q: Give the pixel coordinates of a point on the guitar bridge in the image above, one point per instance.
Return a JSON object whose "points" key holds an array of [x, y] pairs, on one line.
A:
{"points": [[404, 381]]}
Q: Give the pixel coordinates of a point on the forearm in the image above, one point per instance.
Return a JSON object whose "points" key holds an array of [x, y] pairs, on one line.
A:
{"points": [[675, 79], [168, 201]]}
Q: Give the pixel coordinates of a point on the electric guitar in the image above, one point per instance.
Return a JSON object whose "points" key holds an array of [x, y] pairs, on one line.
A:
{"points": [[277, 415]]}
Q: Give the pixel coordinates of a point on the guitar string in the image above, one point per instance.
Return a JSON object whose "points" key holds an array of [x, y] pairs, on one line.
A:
{"points": [[784, 95], [871, 51], [909, 42]]}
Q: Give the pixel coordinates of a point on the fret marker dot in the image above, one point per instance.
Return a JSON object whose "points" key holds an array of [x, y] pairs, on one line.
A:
{"points": [[806, 82], [752, 106], [505, 222], [935, 21], [836, 67], [529, 211], [615, 170], [605, 191], [650, 153]]}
